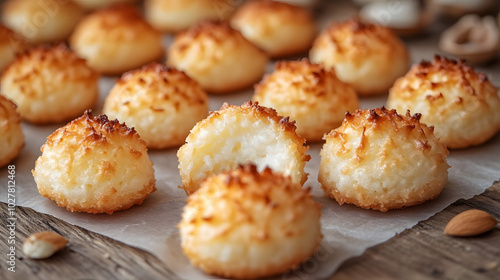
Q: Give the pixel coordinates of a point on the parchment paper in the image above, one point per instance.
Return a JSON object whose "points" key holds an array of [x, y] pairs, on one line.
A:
{"points": [[347, 230]]}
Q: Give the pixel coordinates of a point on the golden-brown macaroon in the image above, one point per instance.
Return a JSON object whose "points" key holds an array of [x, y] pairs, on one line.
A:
{"points": [[116, 39], [50, 84], [461, 104], [11, 44], [41, 21], [245, 224], [367, 56], [11, 132], [310, 95], [174, 16], [381, 160], [239, 135], [218, 57], [278, 28], [94, 165], [97, 4], [160, 102]]}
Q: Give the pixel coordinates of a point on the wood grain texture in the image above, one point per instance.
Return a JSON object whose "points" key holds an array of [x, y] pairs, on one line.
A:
{"points": [[425, 252], [422, 252], [88, 255]]}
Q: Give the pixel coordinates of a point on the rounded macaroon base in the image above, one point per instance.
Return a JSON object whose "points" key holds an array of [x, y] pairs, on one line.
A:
{"points": [[213, 54], [50, 84], [11, 131], [160, 102], [94, 165], [366, 56], [245, 224], [461, 104], [116, 39], [310, 95], [378, 159], [239, 135], [280, 29]]}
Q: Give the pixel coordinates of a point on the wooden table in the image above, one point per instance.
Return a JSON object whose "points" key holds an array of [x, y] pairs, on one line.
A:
{"points": [[422, 252]]}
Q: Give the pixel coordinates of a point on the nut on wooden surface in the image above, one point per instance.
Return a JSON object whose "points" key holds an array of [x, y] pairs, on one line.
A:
{"points": [[470, 223], [43, 244]]}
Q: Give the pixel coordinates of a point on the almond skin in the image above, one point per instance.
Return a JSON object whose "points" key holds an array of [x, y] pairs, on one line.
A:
{"points": [[43, 244], [470, 223]]}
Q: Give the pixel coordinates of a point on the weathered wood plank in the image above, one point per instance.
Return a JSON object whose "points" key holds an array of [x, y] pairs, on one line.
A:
{"points": [[88, 255], [424, 252]]}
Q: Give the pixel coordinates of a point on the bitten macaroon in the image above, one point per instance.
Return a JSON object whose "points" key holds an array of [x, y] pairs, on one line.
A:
{"points": [[368, 57]]}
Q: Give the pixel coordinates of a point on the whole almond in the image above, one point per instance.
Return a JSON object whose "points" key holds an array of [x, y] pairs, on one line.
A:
{"points": [[470, 223], [43, 244]]}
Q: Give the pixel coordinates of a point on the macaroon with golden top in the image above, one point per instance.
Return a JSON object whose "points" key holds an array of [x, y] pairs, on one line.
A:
{"points": [[160, 102], [94, 165], [46, 21], [381, 160], [11, 131], [245, 224], [174, 16], [239, 135], [50, 84], [368, 57], [461, 104], [278, 28], [312, 96], [116, 39], [11, 44], [218, 57]]}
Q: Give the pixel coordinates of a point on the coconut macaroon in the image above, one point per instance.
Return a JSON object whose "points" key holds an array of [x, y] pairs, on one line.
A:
{"points": [[245, 224], [368, 57], [50, 84], [461, 104], [278, 28], [160, 102], [175, 16], [41, 21], [116, 39], [94, 165], [308, 94], [239, 135], [96, 4], [11, 132], [218, 57], [11, 44], [381, 160]]}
